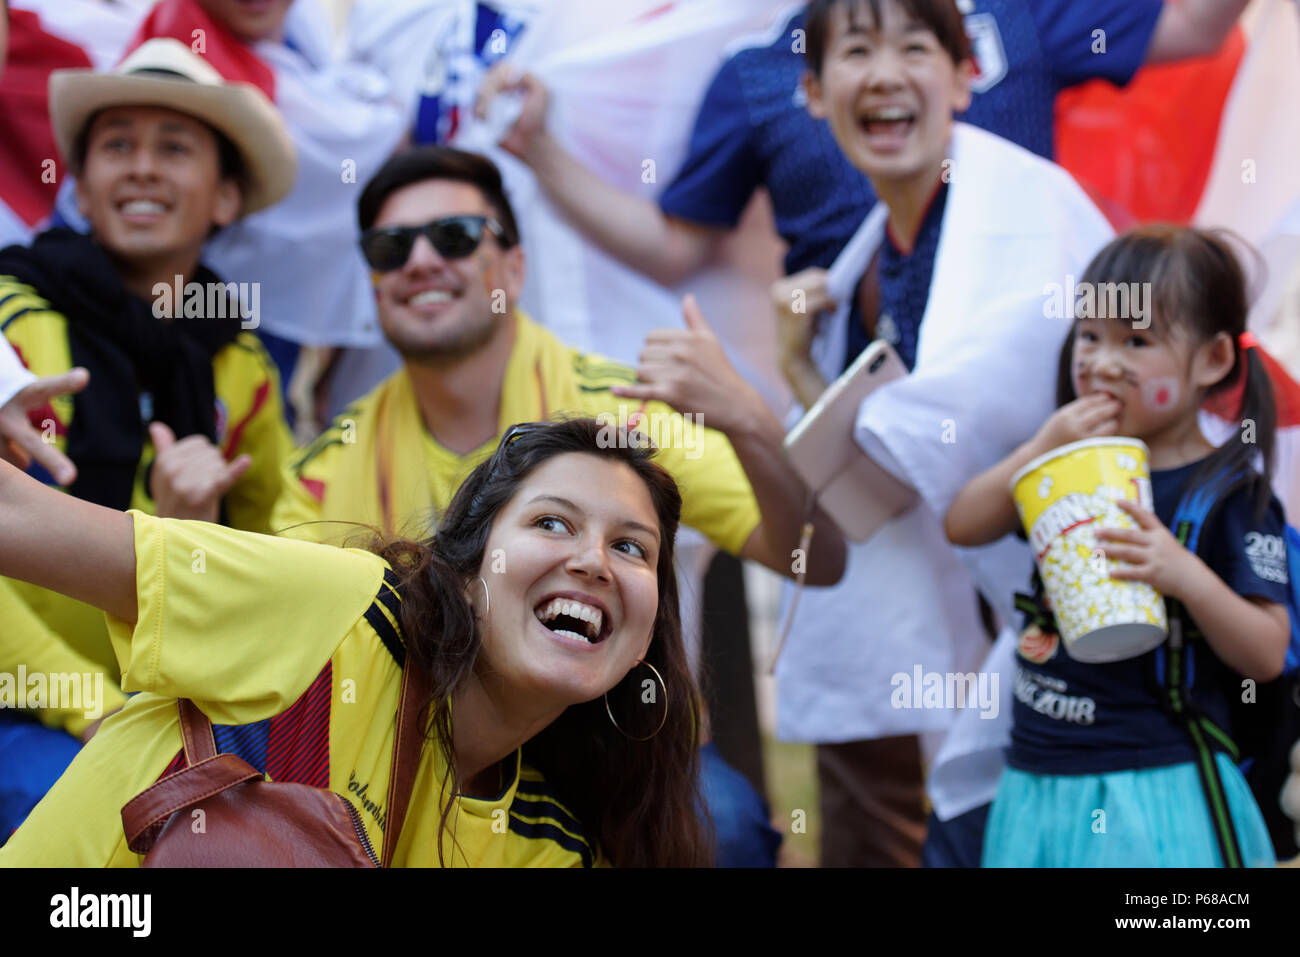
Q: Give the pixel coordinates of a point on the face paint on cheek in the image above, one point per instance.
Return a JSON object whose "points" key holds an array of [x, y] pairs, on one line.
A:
{"points": [[1160, 393], [485, 274]]}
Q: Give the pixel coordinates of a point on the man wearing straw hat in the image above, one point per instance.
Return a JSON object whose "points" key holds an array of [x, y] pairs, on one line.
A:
{"points": [[182, 414]]}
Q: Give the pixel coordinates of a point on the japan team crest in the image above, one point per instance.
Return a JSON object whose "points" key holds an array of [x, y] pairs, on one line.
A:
{"points": [[990, 55]]}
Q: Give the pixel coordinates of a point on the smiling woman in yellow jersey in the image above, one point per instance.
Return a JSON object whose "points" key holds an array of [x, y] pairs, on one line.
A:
{"points": [[542, 608]]}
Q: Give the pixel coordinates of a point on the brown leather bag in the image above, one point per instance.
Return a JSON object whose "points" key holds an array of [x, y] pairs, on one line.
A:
{"points": [[251, 822]]}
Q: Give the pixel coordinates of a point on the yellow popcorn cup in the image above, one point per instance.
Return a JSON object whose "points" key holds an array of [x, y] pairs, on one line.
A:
{"points": [[1063, 497]]}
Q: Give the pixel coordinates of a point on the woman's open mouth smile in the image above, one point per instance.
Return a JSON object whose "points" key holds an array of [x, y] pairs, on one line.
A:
{"points": [[576, 619], [887, 128]]}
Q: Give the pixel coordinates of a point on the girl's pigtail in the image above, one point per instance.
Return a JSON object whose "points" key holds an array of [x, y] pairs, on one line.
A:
{"points": [[1258, 409], [1255, 429]]}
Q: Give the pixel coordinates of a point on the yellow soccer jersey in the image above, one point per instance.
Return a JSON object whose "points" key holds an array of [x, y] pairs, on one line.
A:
{"points": [[250, 419], [30, 645], [364, 469], [285, 645], [250, 415]]}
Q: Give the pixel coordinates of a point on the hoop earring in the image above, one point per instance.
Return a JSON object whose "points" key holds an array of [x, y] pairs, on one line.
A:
{"points": [[487, 596], [609, 712]]}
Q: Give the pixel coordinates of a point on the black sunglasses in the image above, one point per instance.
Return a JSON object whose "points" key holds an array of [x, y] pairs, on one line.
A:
{"points": [[498, 456], [512, 433], [454, 237]]}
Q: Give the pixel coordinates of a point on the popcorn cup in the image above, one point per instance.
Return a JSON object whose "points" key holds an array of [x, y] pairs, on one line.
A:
{"points": [[1063, 497]]}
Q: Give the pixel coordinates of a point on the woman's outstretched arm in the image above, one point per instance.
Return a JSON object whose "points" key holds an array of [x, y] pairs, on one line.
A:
{"points": [[61, 543]]}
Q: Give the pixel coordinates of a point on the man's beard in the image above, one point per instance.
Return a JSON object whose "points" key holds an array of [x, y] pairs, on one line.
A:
{"points": [[464, 342]]}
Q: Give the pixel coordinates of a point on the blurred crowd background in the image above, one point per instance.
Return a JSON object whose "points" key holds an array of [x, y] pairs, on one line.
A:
{"points": [[1202, 133]]}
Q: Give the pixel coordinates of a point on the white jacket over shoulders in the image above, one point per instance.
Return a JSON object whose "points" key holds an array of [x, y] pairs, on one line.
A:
{"points": [[1016, 227], [983, 382]]}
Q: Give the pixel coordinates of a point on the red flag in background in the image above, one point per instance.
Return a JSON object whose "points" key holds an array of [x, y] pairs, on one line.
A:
{"points": [[25, 186], [186, 21], [1149, 146]]}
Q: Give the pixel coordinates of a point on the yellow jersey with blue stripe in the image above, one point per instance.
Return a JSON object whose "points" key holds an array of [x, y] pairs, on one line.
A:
{"points": [[291, 649]]}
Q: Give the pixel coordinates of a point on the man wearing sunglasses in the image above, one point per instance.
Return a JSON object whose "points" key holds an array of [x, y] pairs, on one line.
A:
{"points": [[452, 237], [443, 247]]}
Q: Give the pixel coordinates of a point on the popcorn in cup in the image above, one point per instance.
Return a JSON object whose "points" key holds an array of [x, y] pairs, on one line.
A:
{"points": [[1063, 497]]}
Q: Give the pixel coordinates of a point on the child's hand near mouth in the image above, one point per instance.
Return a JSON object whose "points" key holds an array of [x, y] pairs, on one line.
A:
{"points": [[1085, 418], [984, 511]]}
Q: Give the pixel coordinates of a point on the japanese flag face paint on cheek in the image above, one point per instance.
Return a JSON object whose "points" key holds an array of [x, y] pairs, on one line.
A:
{"points": [[1160, 393]]}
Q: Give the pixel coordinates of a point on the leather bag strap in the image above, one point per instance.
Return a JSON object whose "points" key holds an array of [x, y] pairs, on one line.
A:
{"points": [[144, 814], [196, 733], [408, 743], [209, 773]]}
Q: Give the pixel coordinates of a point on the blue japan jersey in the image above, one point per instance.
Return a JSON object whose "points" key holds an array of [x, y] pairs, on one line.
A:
{"points": [[904, 289], [753, 128], [1076, 718]]}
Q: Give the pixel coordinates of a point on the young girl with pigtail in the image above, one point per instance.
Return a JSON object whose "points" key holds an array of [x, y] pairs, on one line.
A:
{"points": [[1136, 768]]}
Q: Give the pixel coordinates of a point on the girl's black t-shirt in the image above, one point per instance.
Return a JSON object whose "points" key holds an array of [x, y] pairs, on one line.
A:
{"points": [[1076, 718]]}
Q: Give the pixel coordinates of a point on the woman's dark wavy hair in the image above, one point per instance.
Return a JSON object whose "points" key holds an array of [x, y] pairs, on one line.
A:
{"points": [[1199, 288], [638, 800]]}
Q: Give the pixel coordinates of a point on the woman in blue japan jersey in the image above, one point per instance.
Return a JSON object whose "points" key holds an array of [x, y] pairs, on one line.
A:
{"points": [[1101, 771], [753, 129]]}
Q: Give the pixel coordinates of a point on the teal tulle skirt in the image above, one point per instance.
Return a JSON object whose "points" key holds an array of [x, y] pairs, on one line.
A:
{"points": [[1155, 817]]}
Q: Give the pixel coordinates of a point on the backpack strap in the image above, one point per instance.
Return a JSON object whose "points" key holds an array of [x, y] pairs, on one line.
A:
{"points": [[1291, 542], [1174, 673], [1195, 726], [1190, 518], [1035, 609]]}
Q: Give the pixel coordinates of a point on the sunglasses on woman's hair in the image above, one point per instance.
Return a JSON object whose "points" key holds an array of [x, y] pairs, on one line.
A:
{"points": [[454, 237], [512, 433], [499, 456]]}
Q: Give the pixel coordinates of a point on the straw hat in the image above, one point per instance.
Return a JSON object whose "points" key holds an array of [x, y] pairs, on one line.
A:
{"points": [[164, 72]]}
